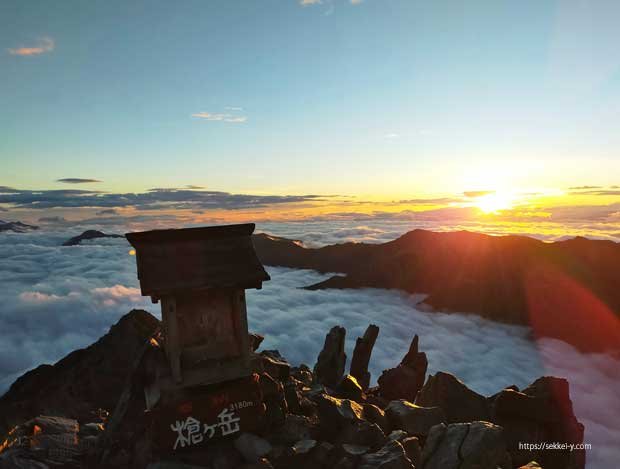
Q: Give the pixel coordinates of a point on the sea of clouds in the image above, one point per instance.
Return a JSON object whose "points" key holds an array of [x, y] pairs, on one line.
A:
{"points": [[56, 299]]}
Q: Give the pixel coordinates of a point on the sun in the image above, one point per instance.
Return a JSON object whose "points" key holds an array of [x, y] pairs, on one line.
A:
{"points": [[494, 202]]}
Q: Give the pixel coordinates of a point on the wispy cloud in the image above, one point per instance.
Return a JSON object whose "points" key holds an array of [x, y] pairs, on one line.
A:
{"points": [[355, 2], [43, 45], [305, 3], [221, 117], [77, 180], [473, 194]]}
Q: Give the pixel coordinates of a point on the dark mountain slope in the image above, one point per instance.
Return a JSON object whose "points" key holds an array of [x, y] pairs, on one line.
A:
{"points": [[84, 380], [568, 290], [89, 234]]}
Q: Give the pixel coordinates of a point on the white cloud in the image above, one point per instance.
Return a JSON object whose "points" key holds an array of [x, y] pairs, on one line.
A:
{"points": [[117, 294], [222, 117], [37, 297], [310, 2], [43, 45], [56, 299]]}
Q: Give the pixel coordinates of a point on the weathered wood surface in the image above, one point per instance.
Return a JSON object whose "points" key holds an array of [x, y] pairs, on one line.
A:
{"points": [[197, 258], [208, 413]]}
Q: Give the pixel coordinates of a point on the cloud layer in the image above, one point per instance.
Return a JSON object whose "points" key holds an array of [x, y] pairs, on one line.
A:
{"points": [[56, 299], [157, 198]]}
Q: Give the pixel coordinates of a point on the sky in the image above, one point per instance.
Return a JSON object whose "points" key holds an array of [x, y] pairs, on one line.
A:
{"points": [[331, 106]]}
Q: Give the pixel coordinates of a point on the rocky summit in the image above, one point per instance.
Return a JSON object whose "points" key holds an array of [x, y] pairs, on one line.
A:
{"points": [[90, 410]]}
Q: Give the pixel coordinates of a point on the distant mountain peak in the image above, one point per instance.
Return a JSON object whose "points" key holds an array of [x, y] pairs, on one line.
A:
{"points": [[16, 226]]}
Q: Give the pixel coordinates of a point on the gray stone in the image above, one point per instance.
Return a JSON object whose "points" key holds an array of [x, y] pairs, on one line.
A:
{"points": [[404, 381], [413, 450], [459, 403], [330, 364], [374, 414], [391, 456], [414, 419], [361, 356], [252, 447], [476, 445], [349, 388]]}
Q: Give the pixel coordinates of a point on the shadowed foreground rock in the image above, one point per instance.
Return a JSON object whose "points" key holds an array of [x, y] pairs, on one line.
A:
{"points": [[361, 356], [304, 424], [82, 382], [330, 365], [404, 381]]}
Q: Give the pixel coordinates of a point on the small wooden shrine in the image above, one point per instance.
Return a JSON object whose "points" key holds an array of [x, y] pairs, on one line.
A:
{"points": [[200, 276]]}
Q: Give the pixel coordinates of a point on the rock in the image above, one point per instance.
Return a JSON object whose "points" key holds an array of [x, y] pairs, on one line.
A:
{"points": [[361, 356], [19, 459], [531, 465], [542, 412], [413, 450], [294, 429], [303, 374], [330, 364], [274, 400], [304, 446], [322, 454], [292, 395], [172, 465], [459, 403], [414, 419], [404, 381], [252, 447], [85, 380], [335, 412], [374, 414], [391, 456], [477, 445], [41, 442], [255, 341], [275, 364], [349, 388], [361, 434], [398, 435], [262, 463], [91, 429]]}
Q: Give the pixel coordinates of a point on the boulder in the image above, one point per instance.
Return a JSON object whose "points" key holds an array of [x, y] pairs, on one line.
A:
{"points": [[404, 381], [292, 395], [334, 412], [294, 429], [255, 340], [361, 433], [542, 412], [459, 403], [531, 465], [390, 456], [275, 364], [374, 414], [303, 374], [413, 419], [252, 447], [478, 445], [330, 364], [413, 450], [349, 388], [361, 356]]}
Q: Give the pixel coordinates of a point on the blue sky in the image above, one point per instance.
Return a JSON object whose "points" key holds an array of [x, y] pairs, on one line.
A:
{"points": [[377, 98]]}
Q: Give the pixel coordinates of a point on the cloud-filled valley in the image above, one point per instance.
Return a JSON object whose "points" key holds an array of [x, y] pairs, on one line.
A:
{"points": [[56, 299]]}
